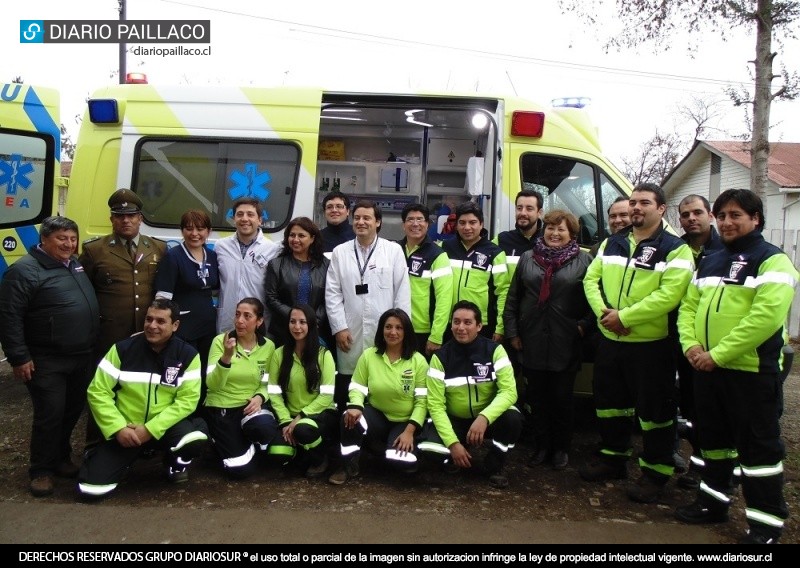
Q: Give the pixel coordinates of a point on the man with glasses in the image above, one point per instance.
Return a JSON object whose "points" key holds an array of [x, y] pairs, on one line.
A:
{"points": [[336, 207], [430, 277]]}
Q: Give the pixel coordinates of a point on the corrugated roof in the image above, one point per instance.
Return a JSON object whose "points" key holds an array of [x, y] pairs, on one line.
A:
{"points": [[784, 158]]}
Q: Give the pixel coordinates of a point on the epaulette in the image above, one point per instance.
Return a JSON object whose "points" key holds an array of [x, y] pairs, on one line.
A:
{"points": [[93, 239]]}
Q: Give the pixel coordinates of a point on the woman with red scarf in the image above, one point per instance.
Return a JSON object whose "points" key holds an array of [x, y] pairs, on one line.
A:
{"points": [[546, 316]]}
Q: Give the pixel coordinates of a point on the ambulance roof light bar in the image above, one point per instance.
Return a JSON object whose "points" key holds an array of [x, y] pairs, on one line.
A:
{"points": [[571, 102]]}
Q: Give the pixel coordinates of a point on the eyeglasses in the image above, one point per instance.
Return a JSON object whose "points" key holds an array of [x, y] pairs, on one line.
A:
{"points": [[332, 206], [416, 220]]}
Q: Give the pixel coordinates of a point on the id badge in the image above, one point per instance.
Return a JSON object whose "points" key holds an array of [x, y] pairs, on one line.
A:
{"points": [[362, 289]]}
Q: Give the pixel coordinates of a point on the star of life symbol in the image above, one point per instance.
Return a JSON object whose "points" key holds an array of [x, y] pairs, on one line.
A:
{"points": [[14, 173], [249, 182], [480, 259]]}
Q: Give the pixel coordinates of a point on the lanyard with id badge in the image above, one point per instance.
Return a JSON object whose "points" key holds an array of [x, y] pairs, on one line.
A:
{"points": [[363, 288]]}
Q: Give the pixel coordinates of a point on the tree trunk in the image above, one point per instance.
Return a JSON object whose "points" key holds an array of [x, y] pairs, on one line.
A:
{"points": [[759, 147]]}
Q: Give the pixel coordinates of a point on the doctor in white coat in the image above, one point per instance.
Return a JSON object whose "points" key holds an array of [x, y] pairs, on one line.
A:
{"points": [[366, 277]]}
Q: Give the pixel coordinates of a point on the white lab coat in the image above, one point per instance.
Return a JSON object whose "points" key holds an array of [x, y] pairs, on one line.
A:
{"points": [[387, 278], [241, 277]]}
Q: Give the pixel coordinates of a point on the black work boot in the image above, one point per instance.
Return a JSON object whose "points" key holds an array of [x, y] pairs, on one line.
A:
{"points": [[702, 512]]}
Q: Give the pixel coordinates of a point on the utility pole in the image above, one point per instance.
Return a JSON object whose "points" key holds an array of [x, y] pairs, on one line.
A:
{"points": [[123, 47]]}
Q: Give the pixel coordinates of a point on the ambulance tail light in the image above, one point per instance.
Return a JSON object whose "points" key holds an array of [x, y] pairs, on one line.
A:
{"points": [[136, 79], [526, 123], [103, 111]]}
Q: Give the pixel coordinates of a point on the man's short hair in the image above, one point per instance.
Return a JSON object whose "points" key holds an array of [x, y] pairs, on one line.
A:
{"points": [[336, 195], [531, 193], [248, 201], [469, 207], [164, 304], [419, 208], [746, 199], [655, 190], [694, 197], [467, 305], [57, 223], [619, 199], [369, 204]]}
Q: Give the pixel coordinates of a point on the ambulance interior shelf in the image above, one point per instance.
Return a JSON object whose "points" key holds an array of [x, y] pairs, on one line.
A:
{"points": [[361, 177]]}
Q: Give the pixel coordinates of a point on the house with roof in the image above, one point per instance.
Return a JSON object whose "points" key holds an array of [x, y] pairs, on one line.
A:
{"points": [[711, 167]]}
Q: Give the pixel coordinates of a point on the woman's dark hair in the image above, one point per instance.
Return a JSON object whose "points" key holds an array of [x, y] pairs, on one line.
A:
{"points": [[309, 357], [261, 331], [315, 251], [196, 218], [409, 339]]}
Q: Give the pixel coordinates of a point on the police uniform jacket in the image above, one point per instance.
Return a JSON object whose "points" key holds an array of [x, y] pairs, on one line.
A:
{"points": [[644, 282], [46, 308], [124, 287], [736, 306], [135, 385], [467, 380]]}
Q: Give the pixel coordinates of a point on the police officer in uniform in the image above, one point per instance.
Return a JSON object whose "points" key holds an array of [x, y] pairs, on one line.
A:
{"points": [[122, 268]]}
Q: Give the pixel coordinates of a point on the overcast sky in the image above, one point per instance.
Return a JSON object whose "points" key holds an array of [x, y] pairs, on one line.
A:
{"points": [[492, 47]]}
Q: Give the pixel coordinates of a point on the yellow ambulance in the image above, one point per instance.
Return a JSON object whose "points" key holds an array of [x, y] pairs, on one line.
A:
{"points": [[30, 149], [182, 147]]}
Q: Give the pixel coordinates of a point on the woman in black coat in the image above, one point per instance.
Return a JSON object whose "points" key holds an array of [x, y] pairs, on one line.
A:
{"points": [[546, 316], [296, 277]]}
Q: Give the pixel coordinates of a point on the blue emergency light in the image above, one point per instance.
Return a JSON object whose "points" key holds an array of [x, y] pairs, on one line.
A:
{"points": [[103, 111]]}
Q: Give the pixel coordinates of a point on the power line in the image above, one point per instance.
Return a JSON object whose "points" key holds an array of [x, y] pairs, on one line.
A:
{"points": [[338, 33]]}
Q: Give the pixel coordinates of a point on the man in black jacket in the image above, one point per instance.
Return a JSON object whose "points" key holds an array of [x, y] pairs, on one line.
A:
{"points": [[49, 319]]}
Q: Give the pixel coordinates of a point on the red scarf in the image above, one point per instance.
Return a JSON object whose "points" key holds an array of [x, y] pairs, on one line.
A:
{"points": [[551, 259]]}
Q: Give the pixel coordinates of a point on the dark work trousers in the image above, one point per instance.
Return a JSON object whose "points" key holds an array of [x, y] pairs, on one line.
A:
{"points": [[739, 413], [686, 404], [550, 398], [379, 434], [341, 391], [234, 438], [203, 346], [422, 343], [106, 464], [314, 435], [58, 395], [503, 432], [637, 379]]}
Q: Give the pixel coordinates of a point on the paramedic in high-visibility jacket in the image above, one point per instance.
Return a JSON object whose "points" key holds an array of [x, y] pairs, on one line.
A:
{"points": [[638, 277], [471, 396], [430, 278], [142, 397], [731, 326], [480, 272]]}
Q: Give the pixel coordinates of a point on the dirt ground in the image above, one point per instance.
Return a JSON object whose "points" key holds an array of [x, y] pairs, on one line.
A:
{"points": [[539, 493]]}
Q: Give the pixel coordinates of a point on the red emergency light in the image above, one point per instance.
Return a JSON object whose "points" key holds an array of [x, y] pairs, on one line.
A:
{"points": [[526, 123], [136, 79]]}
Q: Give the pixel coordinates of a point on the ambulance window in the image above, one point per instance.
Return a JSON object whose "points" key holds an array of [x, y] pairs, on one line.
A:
{"points": [[172, 176], [26, 177], [610, 192], [565, 184]]}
